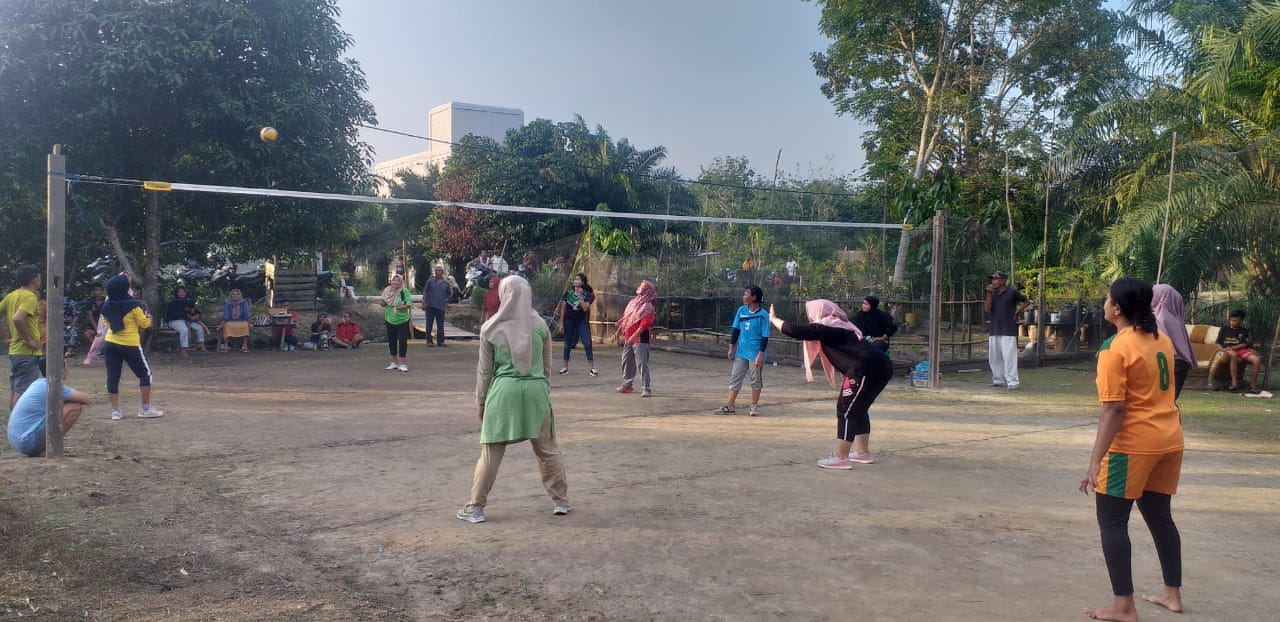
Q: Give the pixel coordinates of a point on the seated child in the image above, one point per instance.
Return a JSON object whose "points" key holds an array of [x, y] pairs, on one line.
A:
{"points": [[348, 333], [1233, 340], [283, 331], [321, 332], [196, 321]]}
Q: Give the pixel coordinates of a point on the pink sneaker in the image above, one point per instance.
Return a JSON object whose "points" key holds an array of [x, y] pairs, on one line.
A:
{"points": [[835, 462], [862, 458]]}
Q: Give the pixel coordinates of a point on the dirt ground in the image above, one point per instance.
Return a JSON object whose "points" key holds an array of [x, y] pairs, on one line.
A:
{"points": [[317, 486]]}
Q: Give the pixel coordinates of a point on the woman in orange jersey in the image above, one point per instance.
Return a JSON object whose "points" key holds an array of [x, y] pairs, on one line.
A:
{"points": [[1137, 454]]}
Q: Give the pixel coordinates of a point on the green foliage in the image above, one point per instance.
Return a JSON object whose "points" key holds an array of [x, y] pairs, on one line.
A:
{"points": [[178, 91]]}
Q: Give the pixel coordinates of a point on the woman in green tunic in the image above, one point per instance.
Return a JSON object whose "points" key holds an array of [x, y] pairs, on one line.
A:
{"points": [[514, 397]]}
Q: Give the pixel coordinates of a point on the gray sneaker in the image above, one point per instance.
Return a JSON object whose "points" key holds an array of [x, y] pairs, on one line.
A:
{"points": [[150, 413], [473, 515], [562, 509]]}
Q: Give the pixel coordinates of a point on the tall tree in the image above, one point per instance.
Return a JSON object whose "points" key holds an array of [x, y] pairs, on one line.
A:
{"points": [[952, 82], [178, 91]]}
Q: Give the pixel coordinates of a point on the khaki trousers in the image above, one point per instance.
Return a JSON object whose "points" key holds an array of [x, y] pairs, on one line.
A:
{"points": [[545, 451]]}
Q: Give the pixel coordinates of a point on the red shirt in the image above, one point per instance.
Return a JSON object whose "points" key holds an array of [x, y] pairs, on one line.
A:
{"points": [[348, 330]]}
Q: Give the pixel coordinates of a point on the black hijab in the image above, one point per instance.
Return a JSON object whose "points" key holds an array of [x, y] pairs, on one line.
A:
{"points": [[119, 302]]}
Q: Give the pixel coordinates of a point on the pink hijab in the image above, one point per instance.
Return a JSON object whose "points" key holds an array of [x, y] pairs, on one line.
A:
{"points": [[827, 313], [638, 308], [1166, 303]]}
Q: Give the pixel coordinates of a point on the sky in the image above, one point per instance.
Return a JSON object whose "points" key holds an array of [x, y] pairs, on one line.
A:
{"points": [[704, 79]]}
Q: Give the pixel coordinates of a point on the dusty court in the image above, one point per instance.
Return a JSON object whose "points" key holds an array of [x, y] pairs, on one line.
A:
{"points": [[317, 486]]}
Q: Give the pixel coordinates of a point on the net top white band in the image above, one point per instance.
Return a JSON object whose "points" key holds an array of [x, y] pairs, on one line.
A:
{"points": [[159, 186]]}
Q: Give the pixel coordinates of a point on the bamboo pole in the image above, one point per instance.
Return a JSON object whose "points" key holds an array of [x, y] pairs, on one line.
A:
{"points": [[1168, 203]]}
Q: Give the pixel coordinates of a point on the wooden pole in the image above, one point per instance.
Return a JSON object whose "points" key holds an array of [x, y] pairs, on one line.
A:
{"points": [[1044, 253], [56, 242], [1168, 203], [1008, 210], [935, 299]]}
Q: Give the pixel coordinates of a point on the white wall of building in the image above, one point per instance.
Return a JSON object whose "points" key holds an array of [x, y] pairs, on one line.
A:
{"points": [[446, 124]]}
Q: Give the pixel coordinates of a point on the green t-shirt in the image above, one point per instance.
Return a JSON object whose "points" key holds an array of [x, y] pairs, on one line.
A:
{"points": [[25, 300], [395, 316]]}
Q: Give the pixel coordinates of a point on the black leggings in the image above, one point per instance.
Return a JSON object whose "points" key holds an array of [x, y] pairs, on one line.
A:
{"points": [[853, 409], [1113, 522], [116, 357], [398, 339], [1180, 369]]}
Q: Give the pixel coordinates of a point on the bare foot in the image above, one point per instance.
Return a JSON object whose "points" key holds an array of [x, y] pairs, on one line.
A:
{"points": [[1121, 609], [1171, 599]]}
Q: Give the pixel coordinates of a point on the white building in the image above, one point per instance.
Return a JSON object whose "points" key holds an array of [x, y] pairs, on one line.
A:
{"points": [[447, 124]]}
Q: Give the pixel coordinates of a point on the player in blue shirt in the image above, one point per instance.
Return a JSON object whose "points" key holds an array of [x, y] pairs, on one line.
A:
{"points": [[747, 349], [26, 421]]}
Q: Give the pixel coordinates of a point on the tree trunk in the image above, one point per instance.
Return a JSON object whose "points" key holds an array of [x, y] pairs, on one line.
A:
{"points": [[113, 236], [151, 263]]}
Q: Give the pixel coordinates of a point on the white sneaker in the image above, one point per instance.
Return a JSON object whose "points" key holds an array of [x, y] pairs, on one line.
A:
{"points": [[392, 367], [754, 412], [561, 509], [403, 367], [150, 413], [116, 415]]}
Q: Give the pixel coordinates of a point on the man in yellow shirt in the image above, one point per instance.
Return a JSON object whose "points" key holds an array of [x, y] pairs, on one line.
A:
{"points": [[21, 330]]}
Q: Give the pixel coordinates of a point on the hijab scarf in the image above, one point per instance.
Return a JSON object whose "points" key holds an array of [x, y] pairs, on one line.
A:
{"points": [[390, 292], [1166, 303], [640, 307], [513, 325], [234, 300], [827, 313], [120, 302]]}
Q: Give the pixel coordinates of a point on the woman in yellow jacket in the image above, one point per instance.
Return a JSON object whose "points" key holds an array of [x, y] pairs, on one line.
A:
{"points": [[126, 319]]}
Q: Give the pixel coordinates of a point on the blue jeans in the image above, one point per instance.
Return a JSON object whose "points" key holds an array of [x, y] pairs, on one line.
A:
{"points": [[575, 331]]}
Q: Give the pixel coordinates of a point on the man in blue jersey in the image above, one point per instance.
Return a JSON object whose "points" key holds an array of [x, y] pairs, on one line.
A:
{"points": [[747, 349]]}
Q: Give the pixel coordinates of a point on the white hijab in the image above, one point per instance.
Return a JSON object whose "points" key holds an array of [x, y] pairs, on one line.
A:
{"points": [[513, 325]]}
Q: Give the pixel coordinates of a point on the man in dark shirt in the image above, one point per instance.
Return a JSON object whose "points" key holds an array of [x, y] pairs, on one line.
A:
{"points": [[435, 300], [1002, 307], [1234, 341], [93, 311]]}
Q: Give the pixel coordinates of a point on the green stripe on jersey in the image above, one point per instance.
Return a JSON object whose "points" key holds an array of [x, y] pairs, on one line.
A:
{"points": [[1106, 345], [1117, 474]]}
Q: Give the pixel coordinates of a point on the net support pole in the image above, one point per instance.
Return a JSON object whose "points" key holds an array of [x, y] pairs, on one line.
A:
{"points": [[935, 300], [56, 243]]}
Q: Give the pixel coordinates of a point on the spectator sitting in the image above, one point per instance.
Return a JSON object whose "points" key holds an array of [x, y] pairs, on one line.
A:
{"points": [[283, 333], [345, 289], [235, 321], [196, 320], [321, 332], [27, 420], [498, 264], [177, 315], [529, 265], [455, 292], [347, 333], [70, 316], [1233, 339]]}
